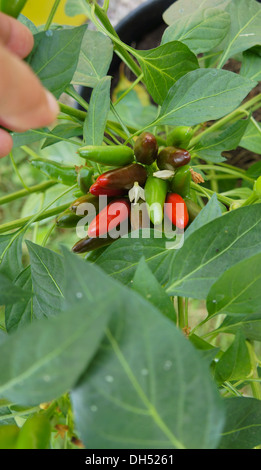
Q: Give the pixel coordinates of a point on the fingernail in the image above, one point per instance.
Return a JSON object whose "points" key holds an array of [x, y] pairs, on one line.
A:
{"points": [[52, 103]]}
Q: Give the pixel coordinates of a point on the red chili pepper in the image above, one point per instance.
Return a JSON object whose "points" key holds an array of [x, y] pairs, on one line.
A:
{"points": [[177, 215], [112, 215], [124, 177], [98, 190]]}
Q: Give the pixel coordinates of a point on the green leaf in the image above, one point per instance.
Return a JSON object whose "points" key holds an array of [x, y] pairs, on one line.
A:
{"points": [[10, 293], [238, 289], [35, 433], [249, 324], [254, 171], [63, 132], [20, 313], [234, 363], [147, 387], [201, 31], [54, 57], [182, 8], [209, 212], [203, 95], [11, 254], [207, 351], [134, 112], [47, 280], [245, 29], [252, 138], [95, 122], [43, 360], [211, 147], [243, 423], [122, 258], [8, 436], [93, 66], [163, 66], [145, 283], [77, 7], [213, 249], [251, 65]]}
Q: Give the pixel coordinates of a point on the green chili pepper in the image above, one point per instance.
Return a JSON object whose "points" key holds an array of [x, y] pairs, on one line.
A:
{"points": [[172, 157], [67, 219], [114, 155], [35, 433], [146, 148], [155, 195], [85, 179], [62, 174], [12, 7], [86, 198], [180, 183], [193, 209], [180, 137]]}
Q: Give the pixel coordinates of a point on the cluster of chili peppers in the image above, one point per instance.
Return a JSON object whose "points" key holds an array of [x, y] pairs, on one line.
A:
{"points": [[161, 178]]}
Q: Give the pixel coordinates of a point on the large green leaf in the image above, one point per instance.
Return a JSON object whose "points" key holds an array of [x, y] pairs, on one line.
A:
{"points": [[201, 31], [251, 140], [210, 147], [47, 280], [210, 211], [43, 360], [95, 122], [245, 31], [145, 283], [202, 95], [243, 423], [55, 55], [11, 254], [147, 386], [182, 8], [93, 66], [122, 257], [20, 313], [11, 293], [238, 289], [134, 112], [164, 65], [234, 363], [251, 64], [249, 324], [77, 7], [213, 249]]}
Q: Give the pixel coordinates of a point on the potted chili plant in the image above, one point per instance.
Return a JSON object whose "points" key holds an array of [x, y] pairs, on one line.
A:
{"points": [[130, 289]]}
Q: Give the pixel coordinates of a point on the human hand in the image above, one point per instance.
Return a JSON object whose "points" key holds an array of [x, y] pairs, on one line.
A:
{"points": [[24, 102]]}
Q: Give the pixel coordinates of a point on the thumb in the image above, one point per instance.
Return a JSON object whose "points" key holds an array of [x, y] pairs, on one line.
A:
{"points": [[24, 102]]}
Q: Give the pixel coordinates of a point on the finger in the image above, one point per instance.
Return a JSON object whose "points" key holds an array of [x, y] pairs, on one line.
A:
{"points": [[6, 143], [24, 102], [15, 36]]}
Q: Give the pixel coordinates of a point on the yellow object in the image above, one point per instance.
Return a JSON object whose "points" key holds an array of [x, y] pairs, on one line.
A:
{"points": [[38, 11]]}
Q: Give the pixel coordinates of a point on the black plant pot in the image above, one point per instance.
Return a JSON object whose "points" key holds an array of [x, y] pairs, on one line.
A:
{"points": [[133, 29]]}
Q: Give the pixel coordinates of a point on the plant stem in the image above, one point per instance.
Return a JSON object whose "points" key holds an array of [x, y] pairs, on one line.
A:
{"points": [[70, 90], [44, 215], [225, 200], [221, 122], [80, 115], [24, 192], [255, 386], [186, 313], [234, 171], [120, 47], [125, 93], [181, 313], [51, 15], [17, 172]]}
